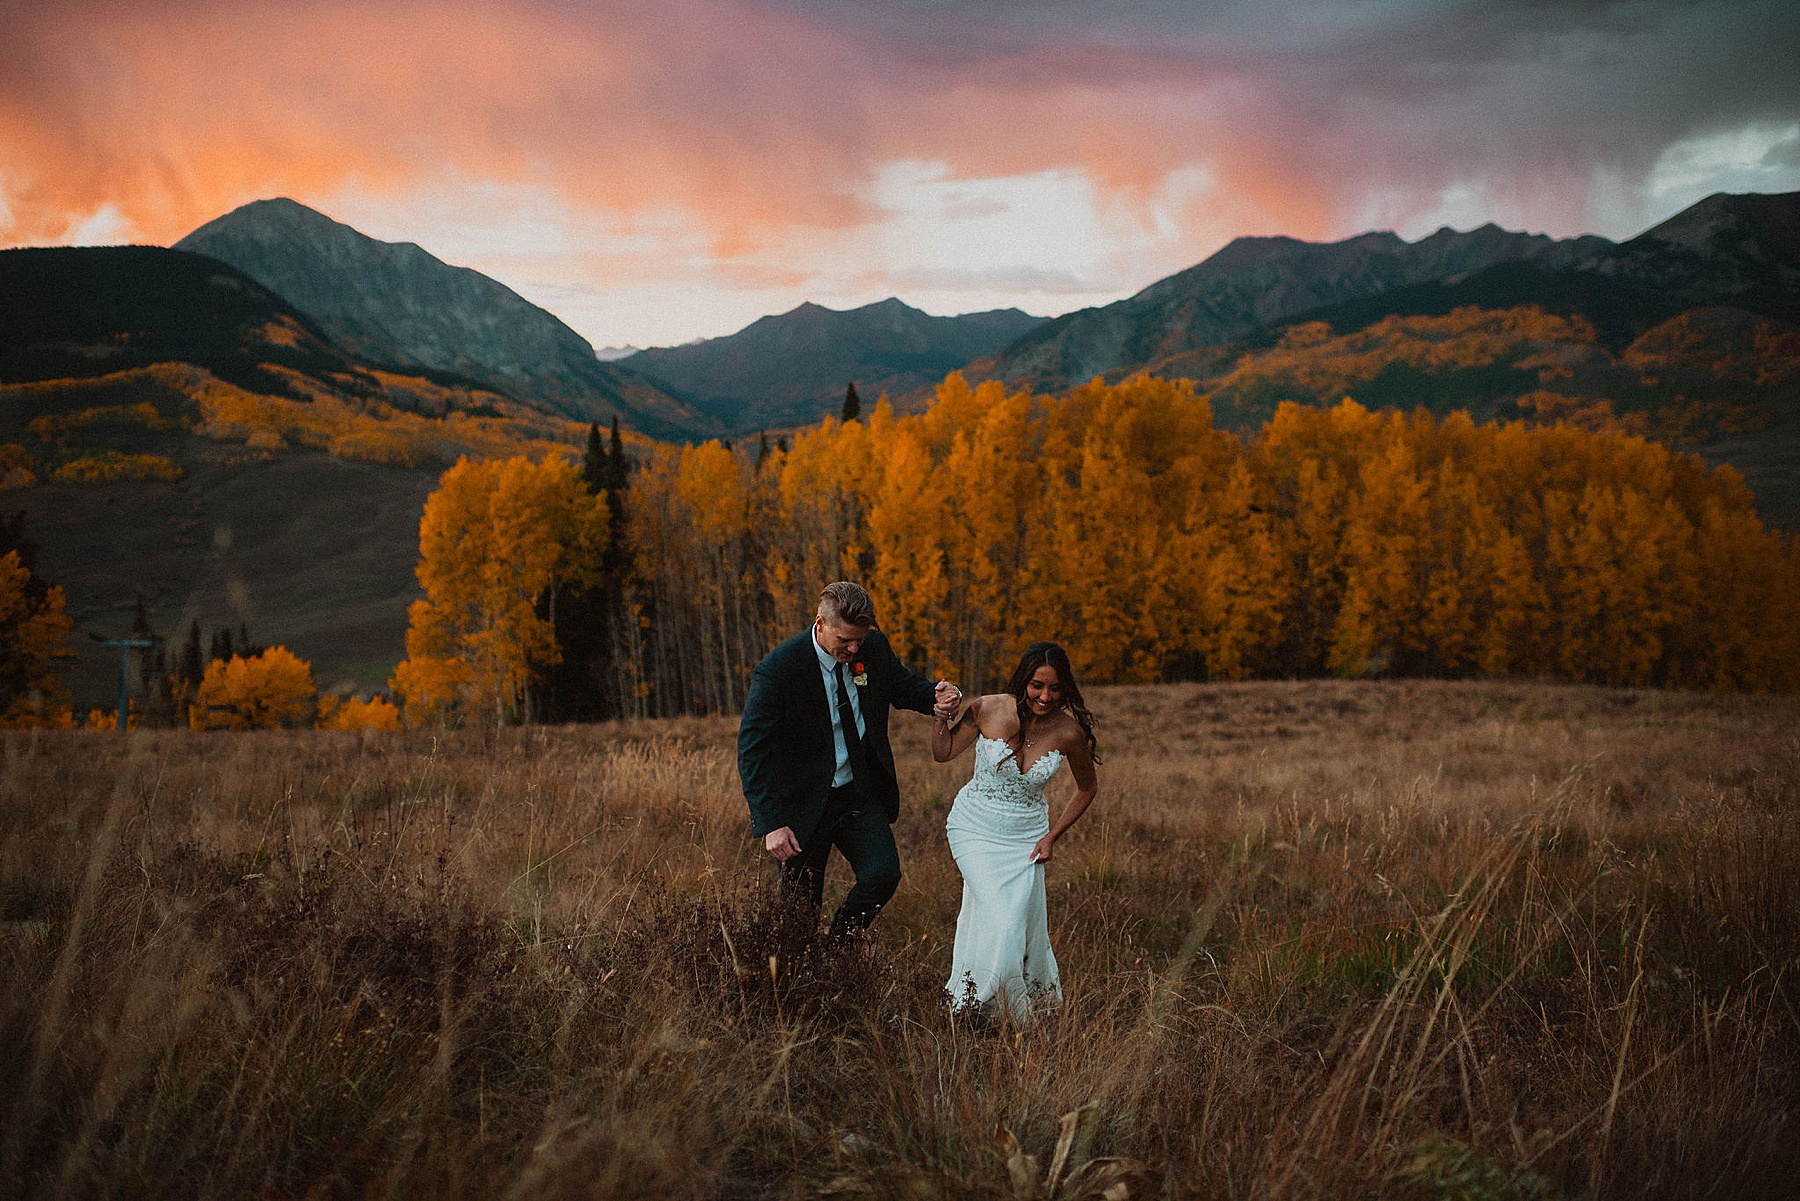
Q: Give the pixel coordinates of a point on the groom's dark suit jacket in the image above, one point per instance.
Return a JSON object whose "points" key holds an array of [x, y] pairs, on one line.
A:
{"points": [[785, 749]]}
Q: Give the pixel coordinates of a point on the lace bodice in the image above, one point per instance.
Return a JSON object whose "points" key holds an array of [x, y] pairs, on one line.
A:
{"points": [[1004, 782]]}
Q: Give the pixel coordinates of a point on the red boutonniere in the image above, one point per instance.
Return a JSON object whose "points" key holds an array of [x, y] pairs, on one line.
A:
{"points": [[859, 675]]}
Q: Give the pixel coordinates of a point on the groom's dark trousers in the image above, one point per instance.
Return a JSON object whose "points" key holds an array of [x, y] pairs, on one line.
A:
{"points": [[787, 758]]}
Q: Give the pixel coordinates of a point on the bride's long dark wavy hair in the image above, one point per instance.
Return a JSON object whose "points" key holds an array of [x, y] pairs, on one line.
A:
{"points": [[1041, 654]]}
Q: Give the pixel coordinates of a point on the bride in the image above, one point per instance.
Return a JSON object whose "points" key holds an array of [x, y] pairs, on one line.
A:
{"points": [[1000, 830]]}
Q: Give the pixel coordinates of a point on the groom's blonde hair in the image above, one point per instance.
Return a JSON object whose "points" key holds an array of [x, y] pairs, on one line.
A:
{"points": [[846, 604]]}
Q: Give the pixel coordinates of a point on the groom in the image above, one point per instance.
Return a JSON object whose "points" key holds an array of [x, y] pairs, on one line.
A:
{"points": [[813, 752]]}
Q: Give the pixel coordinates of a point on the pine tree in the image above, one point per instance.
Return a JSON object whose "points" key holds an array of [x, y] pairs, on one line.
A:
{"points": [[596, 472], [618, 466], [13, 538], [852, 403], [221, 645]]}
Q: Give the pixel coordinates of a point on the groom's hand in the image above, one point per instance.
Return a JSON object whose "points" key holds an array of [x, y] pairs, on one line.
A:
{"points": [[782, 844], [949, 700]]}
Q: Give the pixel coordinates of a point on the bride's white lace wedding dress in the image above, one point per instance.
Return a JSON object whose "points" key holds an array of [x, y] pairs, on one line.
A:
{"points": [[1002, 950]]}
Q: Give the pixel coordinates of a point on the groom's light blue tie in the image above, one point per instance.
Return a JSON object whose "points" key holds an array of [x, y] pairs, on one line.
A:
{"points": [[853, 745]]}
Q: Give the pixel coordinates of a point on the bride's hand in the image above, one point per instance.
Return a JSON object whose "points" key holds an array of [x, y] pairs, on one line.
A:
{"points": [[1041, 852]]}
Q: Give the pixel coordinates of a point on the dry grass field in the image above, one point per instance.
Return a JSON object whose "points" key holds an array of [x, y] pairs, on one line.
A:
{"points": [[1318, 939]]}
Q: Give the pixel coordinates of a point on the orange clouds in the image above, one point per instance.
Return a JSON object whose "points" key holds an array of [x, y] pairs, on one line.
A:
{"points": [[746, 120], [174, 116]]}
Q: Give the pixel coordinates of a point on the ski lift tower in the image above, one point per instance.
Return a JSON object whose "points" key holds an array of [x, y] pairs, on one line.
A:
{"points": [[126, 646]]}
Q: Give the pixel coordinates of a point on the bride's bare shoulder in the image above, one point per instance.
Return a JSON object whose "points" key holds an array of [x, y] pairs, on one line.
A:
{"points": [[1068, 731], [995, 715]]}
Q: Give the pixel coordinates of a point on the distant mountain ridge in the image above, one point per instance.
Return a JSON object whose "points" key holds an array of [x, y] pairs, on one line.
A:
{"points": [[1254, 282], [1742, 250], [791, 368], [397, 304]]}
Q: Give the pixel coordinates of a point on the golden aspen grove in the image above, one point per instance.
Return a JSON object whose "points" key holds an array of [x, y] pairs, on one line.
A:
{"points": [[1117, 519]]}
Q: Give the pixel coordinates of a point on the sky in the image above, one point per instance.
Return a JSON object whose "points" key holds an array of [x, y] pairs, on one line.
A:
{"points": [[658, 171]]}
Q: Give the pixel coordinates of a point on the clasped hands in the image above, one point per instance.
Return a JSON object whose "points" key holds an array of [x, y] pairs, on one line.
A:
{"points": [[949, 701]]}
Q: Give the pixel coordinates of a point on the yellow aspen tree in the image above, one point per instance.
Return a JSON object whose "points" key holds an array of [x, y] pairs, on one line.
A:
{"points": [[991, 477], [1238, 588], [820, 507], [676, 566], [1048, 603], [857, 466], [1052, 568], [1610, 606], [712, 492], [1451, 590], [908, 534], [34, 642], [1500, 595], [1384, 549], [1748, 608], [664, 551], [957, 409], [1166, 432], [1125, 467], [1307, 463], [267, 691], [496, 540], [376, 713], [1122, 595], [433, 680]]}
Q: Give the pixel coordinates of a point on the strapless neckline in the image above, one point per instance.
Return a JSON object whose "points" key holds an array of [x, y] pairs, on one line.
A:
{"points": [[1051, 754]]}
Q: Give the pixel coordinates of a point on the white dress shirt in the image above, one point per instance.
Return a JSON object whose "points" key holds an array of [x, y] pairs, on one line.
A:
{"points": [[828, 666]]}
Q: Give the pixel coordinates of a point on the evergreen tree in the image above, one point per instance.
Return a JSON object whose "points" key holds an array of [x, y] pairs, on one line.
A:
{"points": [[12, 538], [852, 403], [596, 472], [762, 449], [221, 645], [618, 467]]}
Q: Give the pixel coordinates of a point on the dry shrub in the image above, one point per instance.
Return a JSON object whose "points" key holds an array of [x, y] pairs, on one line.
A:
{"points": [[1318, 940]]}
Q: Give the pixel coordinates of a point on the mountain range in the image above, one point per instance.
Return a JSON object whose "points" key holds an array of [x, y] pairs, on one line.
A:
{"points": [[394, 303], [1738, 250]]}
